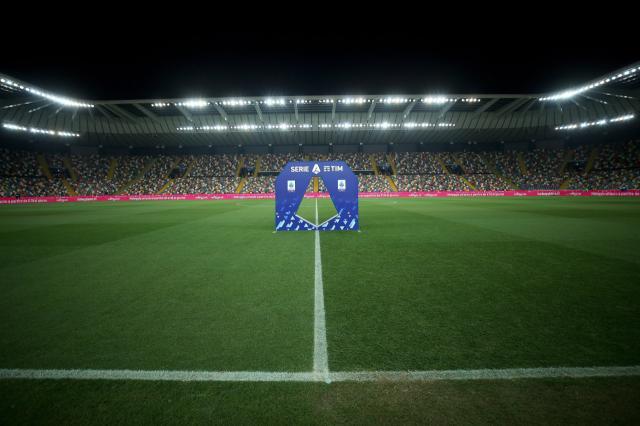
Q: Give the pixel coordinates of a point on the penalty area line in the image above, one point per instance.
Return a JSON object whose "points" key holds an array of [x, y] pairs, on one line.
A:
{"points": [[338, 376]]}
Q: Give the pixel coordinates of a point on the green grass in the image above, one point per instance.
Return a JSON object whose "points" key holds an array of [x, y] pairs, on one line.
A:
{"points": [[485, 283], [307, 209], [144, 286], [427, 284], [583, 401]]}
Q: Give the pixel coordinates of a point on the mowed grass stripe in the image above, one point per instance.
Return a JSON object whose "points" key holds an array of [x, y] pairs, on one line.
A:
{"points": [[211, 289], [575, 223], [541, 401], [422, 289], [29, 233]]}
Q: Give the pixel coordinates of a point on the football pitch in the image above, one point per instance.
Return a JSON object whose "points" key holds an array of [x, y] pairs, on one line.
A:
{"points": [[462, 310]]}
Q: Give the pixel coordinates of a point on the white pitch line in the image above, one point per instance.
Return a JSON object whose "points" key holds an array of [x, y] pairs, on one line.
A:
{"points": [[338, 376], [320, 356], [484, 374], [160, 375]]}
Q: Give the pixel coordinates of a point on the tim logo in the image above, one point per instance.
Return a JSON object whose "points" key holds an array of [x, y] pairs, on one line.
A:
{"points": [[291, 185], [342, 185]]}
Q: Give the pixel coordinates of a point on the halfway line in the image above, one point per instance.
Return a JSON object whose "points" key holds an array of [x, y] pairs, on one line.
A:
{"points": [[320, 356]]}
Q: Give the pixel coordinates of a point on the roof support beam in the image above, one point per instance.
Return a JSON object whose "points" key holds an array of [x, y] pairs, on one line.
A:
{"points": [[333, 111], [53, 114], [619, 93], [511, 106], [148, 113], [578, 104], [531, 103], [591, 98], [295, 109], [44, 106], [121, 113], [486, 106], [371, 109], [259, 111], [103, 112], [542, 105], [222, 112], [445, 109], [10, 103], [407, 110], [186, 113]]}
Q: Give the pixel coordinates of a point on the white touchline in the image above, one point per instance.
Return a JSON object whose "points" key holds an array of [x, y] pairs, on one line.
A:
{"points": [[485, 374], [338, 376], [160, 375], [320, 356]]}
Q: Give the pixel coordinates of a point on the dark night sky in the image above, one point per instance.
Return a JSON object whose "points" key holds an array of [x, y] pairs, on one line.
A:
{"points": [[126, 65]]}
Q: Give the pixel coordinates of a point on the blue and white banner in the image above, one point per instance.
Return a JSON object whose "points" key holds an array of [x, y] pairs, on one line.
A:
{"points": [[341, 183]]}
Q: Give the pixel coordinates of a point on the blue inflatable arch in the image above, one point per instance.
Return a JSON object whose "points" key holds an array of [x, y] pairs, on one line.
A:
{"points": [[292, 183]]}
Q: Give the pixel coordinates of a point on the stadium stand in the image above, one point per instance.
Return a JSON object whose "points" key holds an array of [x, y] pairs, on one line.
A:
{"points": [[204, 185], [439, 182], [275, 162], [92, 175], [259, 185], [369, 183], [213, 165], [605, 166]]}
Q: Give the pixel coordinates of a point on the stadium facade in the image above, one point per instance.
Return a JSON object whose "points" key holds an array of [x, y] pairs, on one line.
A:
{"points": [[579, 138]]}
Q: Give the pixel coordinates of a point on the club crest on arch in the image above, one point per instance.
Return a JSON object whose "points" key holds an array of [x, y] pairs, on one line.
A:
{"points": [[341, 184]]}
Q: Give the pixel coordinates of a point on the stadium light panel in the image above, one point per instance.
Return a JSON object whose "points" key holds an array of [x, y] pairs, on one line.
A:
{"points": [[235, 102], [35, 130], [216, 128], [436, 100], [393, 100], [567, 94], [384, 125], [349, 101], [274, 102], [245, 127], [193, 103], [601, 122], [60, 100], [281, 126], [341, 126], [414, 125]]}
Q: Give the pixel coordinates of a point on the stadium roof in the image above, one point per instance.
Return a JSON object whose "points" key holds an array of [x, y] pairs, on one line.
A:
{"points": [[316, 120]]}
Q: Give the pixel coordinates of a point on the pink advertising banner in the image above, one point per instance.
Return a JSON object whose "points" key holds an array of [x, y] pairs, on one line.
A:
{"points": [[434, 194]]}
